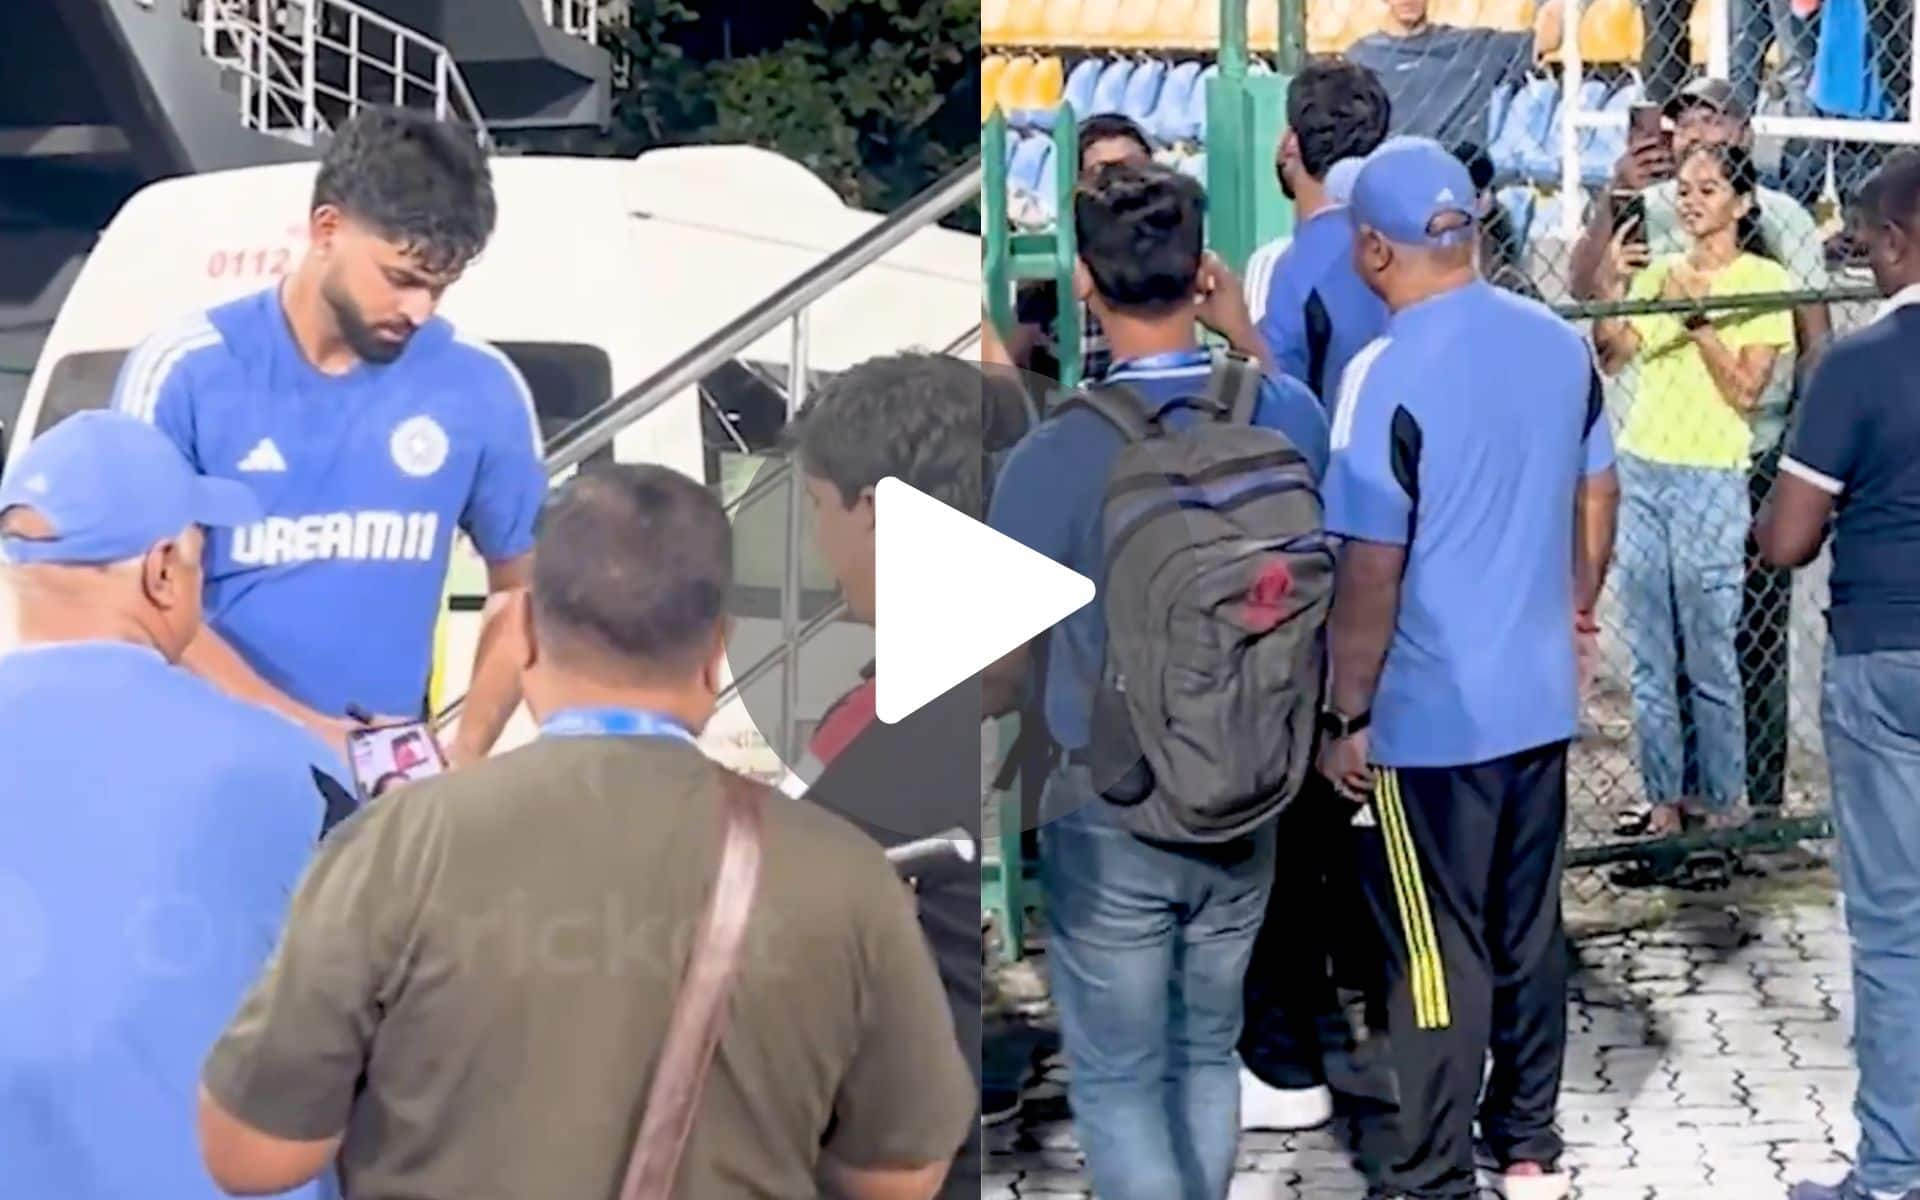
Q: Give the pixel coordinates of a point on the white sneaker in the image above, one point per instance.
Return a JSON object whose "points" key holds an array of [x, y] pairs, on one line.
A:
{"points": [[1284, 1110], [1553, 1185]]}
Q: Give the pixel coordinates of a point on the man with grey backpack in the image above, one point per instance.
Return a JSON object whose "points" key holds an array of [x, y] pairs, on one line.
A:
{"points": [[1183, 701]]}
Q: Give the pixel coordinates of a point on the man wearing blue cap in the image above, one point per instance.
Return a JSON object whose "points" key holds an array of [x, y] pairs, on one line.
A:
{"points": [[1477, 509], [155, 827]]}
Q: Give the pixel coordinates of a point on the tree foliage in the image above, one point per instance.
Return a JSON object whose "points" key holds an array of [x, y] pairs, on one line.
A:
{"points": [[878, 97]]}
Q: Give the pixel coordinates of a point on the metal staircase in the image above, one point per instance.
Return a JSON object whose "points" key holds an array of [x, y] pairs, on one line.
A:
{"points": [[305, 66]]}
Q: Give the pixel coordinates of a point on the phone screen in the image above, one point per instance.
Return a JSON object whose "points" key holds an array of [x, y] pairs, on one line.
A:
{"points": [[1630, 213], [386, 756]]}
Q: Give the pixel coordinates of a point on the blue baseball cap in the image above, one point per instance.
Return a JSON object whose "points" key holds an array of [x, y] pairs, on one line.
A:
{"points": [[112, 486], [1408, 184]]}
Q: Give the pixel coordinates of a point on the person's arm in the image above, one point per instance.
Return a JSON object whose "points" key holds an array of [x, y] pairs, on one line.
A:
{"points": [[1739, 373], [212, 658], [509, 487], [1223, 309], [907, 1099], [1792, 235], [494, 691], [1812, 330], [1643, 163], [1834, 429], [1366, 603], [1596, 506], [279, 1085], [1617, 338]]}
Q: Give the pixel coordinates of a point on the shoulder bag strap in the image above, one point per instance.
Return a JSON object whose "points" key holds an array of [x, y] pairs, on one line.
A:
{"points": [[1119, 406], [700, 1011]]}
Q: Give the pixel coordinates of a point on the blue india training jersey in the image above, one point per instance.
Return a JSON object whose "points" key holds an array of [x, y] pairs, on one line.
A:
{"points": [[364, 478]]}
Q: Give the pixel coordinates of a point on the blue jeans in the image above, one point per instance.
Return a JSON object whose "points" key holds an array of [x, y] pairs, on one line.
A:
{"points": [[1147, 951], [1681, 555], [1870, 710]]}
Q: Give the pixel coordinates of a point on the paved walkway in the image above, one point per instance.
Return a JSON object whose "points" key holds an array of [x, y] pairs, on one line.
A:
{"points": [[1708, 1057]]}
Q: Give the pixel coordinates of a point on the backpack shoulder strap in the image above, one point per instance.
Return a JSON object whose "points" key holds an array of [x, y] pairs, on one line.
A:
{"points": [[700, 1010], [1233, 389], [1117, 404]]}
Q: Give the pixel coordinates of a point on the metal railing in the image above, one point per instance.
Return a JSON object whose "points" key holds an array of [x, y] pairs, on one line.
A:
{"points": [[581, 18], [789, 306], [305, 66]]}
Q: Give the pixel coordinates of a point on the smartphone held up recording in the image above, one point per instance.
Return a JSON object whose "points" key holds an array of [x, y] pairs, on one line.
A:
{"points": [[385, 756]]}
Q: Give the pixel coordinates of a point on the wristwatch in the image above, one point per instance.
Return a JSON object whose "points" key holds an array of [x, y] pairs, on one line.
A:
{"points": [[1338, 725], [1696, 321]]}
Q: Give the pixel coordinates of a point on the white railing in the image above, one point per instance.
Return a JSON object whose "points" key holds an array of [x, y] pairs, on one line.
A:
{"points": [[1719, 54], [581, 18], [305, 66]]}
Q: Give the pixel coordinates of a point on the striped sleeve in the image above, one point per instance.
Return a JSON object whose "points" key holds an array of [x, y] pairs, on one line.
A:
{"points": [[153, 384], [1260, 277]]}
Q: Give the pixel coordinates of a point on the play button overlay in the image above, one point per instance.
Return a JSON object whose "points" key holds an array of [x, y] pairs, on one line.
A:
{"points": [[951, 597]]}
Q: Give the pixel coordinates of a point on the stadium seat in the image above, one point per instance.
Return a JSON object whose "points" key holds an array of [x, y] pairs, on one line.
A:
{"points": [[1173, 23], [1194, 165], [1610, 32], [1024, 22], [1263, 24], [1110, 94], [1464, 14], [1028, 162], [1098, 21], [1135, 24], [1171, 123], [1700, 30], [1013, 83], [993, 21], [1080, 84], [1061, 22], [1497, 106], [1143, 92], [1551, 31], [1542, 162], [1326, 25], [1013, 152], [1518, 203], [992, 67], [1529, 120], [1601, 148], [1195, 125], [1363, 17], [1046, 83], [1206, 24], [1512, 16]]}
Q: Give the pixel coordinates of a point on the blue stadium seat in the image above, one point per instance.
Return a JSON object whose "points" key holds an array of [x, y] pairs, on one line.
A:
{"points": [[1497, 106], [1528, 121], [1601, 148], [1170, 116], [1013, 152], [1542, 161], [1049, 185], [1518, 203], [1195, 165], [1143, 91], [1110, 94], [1549, 214], [1032, 158], [1081, 81], [1194, 127]]}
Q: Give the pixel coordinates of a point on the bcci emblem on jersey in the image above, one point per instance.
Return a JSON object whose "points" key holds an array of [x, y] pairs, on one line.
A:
{"points": [[419, 446]]}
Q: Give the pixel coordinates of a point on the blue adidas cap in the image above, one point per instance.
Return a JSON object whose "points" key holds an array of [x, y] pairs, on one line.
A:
{"points": [[112, 486], [1406, 186]]}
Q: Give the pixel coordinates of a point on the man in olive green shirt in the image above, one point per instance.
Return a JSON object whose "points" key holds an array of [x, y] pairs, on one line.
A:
{"points": [[472, 991]]}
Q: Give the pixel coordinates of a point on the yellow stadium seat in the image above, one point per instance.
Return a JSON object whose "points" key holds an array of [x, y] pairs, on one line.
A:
{"points": [[1326, 25], [1263, 24], [1610, 32], [992, 69], [1513, 16], [1135, 24], [1462, 13], [1061, 24], [993, 21], [1173, 22], [1013, 83], [1046, 82], [1700, 30], [1099, 22], [1025, 19], [1364, 17], [1206, 25]]}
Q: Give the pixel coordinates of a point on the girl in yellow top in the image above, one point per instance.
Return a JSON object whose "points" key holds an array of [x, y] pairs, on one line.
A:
{"points": [[1681, 550]]}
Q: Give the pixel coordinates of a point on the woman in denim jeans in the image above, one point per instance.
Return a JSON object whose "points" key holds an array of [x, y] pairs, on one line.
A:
{"points": [[1681, 551]]}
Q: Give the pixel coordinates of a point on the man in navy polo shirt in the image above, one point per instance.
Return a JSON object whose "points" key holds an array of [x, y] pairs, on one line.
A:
{"points": [[155, 827], [1452, 701], [1854, 457], [371, 431], [1310, 306], [1153, 1082]]}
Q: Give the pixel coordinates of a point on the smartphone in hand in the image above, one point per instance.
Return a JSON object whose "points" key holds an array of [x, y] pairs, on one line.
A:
{"points": [[385, 756]]}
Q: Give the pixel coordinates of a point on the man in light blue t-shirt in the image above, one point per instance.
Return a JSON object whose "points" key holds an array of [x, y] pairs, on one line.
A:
{"points": [[370, 430], [1469, 444], [155, 827]]}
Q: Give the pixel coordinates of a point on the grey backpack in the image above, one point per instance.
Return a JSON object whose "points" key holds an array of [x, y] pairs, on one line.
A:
{"points": [[1218, 581]]}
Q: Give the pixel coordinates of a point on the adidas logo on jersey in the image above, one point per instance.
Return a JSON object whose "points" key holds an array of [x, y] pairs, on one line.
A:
{"points": [[361, 536], [264, 457]]}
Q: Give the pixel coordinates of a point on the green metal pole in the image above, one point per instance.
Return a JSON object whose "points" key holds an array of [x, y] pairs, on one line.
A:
{"points": [[1229, 152], [1293, 36], [993, 216], [1070, 348]]}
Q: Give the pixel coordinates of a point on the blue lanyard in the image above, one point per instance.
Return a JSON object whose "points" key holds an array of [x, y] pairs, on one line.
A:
{"points": [[614, 722]]}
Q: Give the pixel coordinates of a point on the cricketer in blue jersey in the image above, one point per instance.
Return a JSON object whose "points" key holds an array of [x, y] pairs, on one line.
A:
{"points": [[1311, 308], [370, 430]]}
